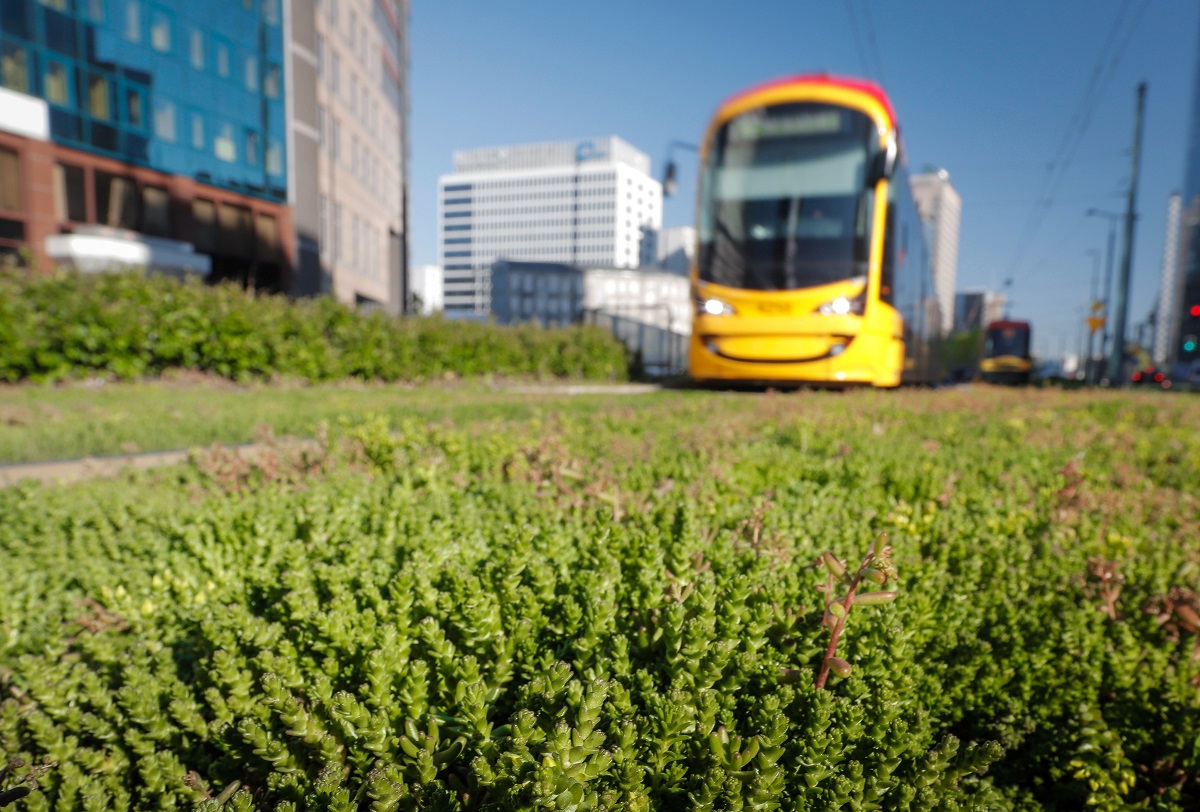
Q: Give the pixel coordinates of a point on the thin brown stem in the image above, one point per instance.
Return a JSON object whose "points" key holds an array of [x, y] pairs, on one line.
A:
{"points": [[836, 634]]}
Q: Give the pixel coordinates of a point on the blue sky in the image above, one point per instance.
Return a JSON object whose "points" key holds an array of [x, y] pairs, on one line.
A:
{"points": [[994, 92]]}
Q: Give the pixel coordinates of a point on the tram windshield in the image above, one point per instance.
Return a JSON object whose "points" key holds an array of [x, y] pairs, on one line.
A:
{"points": [[1010, 340], [785, 203]]}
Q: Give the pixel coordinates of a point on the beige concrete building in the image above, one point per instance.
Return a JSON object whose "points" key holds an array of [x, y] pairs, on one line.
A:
{"points": [[361, 56], [940, 207]]}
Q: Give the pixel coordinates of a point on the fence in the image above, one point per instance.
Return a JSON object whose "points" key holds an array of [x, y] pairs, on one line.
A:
{"points": [[661, 350]]}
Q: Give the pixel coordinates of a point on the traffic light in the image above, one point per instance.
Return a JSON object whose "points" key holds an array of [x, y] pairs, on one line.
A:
{"points": [[1195, 311], [1189, 343]]}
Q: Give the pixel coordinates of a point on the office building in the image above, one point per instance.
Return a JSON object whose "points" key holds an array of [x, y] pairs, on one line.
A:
{"points": [[1170, 289], [650, 311], [426, 284], [940, 208], [585, 202], [360, 51], [974, 309], [671, 249], [1186, 321], [182, 136]]}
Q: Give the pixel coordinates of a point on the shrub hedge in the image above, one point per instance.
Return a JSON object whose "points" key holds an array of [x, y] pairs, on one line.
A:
{"points": [[621, 611], [128, 325]]}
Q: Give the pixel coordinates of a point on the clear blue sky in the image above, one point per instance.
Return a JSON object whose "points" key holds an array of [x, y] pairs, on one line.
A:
{"points": [[994, 92]]}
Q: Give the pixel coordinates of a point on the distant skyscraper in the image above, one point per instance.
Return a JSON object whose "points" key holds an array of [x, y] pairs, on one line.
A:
{"points": [[940, 208], [1187, 315], [361, 179], [426, 285], [672, 249], [583, 202], [974, 309], [1169, 289]]}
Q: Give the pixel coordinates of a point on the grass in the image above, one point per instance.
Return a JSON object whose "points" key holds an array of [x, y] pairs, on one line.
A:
{"points": [[478, 538], [76, 420]]}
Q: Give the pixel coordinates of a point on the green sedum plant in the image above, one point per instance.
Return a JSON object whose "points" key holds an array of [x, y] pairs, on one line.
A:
{"points": [[615, 610]]}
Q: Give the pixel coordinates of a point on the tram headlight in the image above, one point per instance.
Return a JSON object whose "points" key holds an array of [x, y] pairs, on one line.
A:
{"points": [[714, 307], [847, 305]]}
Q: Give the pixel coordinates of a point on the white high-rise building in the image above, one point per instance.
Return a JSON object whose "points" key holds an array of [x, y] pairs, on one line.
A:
{"points": [[672, 249], [940, 208], [1170, 288], [585, 202], [426, 286]]}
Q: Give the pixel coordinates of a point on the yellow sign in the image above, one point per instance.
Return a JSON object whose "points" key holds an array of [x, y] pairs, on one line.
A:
{"points": [[1095, 322], [1097, 306]]}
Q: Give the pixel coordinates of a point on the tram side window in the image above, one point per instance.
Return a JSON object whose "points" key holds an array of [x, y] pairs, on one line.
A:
{"points": [[887, 276]]}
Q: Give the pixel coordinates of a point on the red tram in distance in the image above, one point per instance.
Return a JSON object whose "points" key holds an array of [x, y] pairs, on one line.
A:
{"points": [[1007, 353]]}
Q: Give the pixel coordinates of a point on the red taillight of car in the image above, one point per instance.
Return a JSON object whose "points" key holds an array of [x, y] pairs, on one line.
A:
{"points": [[1158, 378], [1137, 376]]}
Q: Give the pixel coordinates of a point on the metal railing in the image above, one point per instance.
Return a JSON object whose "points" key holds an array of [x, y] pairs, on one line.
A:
{"points": [[661, 350]]}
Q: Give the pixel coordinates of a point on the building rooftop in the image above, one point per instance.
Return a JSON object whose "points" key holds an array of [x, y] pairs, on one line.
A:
{"points": [[607, 150]]}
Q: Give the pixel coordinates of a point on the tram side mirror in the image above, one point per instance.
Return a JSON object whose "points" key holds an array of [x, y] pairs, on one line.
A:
{"points": [[669, 184], [884, 165]]}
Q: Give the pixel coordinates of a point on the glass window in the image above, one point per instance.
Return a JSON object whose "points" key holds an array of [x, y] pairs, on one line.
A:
{"points": [[266, 231], [17, 19], [164, 120], [223, 145], [337, 232], [275, 158], [252, 73], [99, 97], [334, 66], [14, 67], [94, 10], [237, 229], [222, 50], [135, 112], [320, 56], [156, 212], [116, 201], [70, 199], [133, 20], [160, 30], [197, 49], [60, 33], [271, 81], [61, 5], [57, 83], [322, 136], [323, 224], [270, 11], [335, 146], [197, 130], [204, 224], [10, 180], [353, 30], [251, 147]]}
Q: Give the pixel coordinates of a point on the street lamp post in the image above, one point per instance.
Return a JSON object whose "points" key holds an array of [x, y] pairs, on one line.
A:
{"points": [[669, 183], [1113, 218], [1089, 362]]}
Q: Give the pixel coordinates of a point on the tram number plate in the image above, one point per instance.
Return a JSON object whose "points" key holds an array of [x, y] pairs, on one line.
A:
{"points": [[775, 308]]}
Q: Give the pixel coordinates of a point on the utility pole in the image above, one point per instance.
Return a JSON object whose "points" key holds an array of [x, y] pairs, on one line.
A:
{"points": [[1116, 359], [1090, 360]]}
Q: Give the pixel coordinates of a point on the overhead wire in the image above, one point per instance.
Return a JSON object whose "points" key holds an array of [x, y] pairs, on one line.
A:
{"points": [[872, 43], [858, 40], [1109, 58]]}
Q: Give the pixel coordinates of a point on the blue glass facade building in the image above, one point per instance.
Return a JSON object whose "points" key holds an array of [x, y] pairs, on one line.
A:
{"points": [[186, 88]]}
